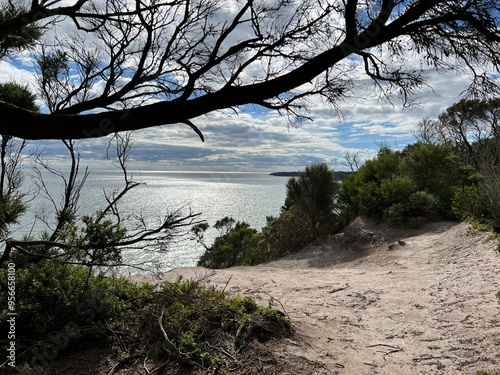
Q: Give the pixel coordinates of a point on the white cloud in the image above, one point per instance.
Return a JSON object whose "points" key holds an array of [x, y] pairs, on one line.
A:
{"points": [[256, 139]]}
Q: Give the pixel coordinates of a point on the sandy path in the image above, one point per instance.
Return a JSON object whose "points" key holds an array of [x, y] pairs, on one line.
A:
{"points": [[425, 306]]}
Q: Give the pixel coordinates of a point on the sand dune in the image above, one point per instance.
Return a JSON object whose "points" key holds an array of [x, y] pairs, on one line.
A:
{"points": [[377, 300]]}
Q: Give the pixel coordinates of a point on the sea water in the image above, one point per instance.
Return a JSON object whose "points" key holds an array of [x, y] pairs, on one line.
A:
{"points": [[244, 196]]}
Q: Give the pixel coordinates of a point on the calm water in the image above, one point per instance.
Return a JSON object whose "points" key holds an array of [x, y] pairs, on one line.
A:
{"points": [[246, 197]]}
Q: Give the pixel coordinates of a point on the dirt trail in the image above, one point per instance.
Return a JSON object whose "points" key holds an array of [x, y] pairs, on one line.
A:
{"points": [[364, 303]]}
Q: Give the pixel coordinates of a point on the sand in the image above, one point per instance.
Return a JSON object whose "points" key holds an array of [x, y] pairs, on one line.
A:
{"points": [[376, 300]]}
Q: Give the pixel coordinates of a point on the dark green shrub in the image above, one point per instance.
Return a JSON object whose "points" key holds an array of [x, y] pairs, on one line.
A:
{"points": [[11, 210], [417, 207], [235, 244], [287, 233], [315, 192], [363, 190], [470, 203], [197, 319], [437, 170], [397, 189], [60, 300]]}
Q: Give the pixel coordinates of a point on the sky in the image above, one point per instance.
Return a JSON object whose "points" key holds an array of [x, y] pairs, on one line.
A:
{"points": [[257, 140]]}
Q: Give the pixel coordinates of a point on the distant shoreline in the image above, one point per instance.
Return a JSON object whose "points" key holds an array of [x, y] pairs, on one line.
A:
{"points": [[340, 175], [285, 174]]}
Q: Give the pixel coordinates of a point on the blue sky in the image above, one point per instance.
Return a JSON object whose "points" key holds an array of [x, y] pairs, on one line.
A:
{"points": [[257, 140]]}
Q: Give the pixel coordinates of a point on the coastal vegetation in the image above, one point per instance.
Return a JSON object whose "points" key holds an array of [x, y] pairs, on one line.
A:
{"points": [[60, 287], [442, 175], [71, 297]]}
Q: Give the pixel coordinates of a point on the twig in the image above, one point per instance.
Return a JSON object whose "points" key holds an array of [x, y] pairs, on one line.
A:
{"points": [[116, 366], [394, 349], [283, 307], [225, 286], [177, 352], [339, 289], [388, 346], [426, 358]]}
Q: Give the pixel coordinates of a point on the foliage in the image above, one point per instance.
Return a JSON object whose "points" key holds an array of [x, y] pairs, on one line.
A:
{"points": [[438, 171], [314, 191], [188, 321], [470, 203], [404, 202], [408, 186], [11, 209], [12, 199], [472, 127], [363, 189], [469, 128], [233, 246], [491, 185], [20, 38], [93, 242], [287, 233], [19, 95], [419, 206], [60, 307], [54, 299]]}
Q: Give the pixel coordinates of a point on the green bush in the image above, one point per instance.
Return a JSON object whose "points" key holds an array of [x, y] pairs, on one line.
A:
{"points": [[315, 191], [196, 319], [54, 299], [235, 244], [61, 306], [287, 233], [419, 182], [417, 207], [397, 189], [470, 203], [437, 170], [362, 191]]}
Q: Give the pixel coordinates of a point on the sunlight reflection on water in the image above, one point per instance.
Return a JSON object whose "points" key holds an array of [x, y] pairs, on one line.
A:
{"points": [[246, 197]]}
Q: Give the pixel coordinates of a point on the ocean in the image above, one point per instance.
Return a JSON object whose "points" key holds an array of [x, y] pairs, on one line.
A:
{"points": [[244, 196]]}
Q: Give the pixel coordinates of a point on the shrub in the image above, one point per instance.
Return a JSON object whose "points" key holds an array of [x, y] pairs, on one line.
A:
{"points": [[235, 244], [397, 189], [287, 233], [196, 320], [417, 207], [315, 192], [470, 203], [65, 301], [437, 170], [362, 190]]}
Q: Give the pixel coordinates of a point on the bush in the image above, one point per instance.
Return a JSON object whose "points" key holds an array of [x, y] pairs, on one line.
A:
{"points": [[470, 203], [287, 233], [397, 189], [363, 190], [419, 206], [315, 191], [61, 307], [197, 320], [437, 170], [57, 300], [235, 244]]}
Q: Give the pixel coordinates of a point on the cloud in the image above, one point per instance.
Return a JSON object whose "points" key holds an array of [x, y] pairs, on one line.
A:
{"points": [[252, 138]]}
